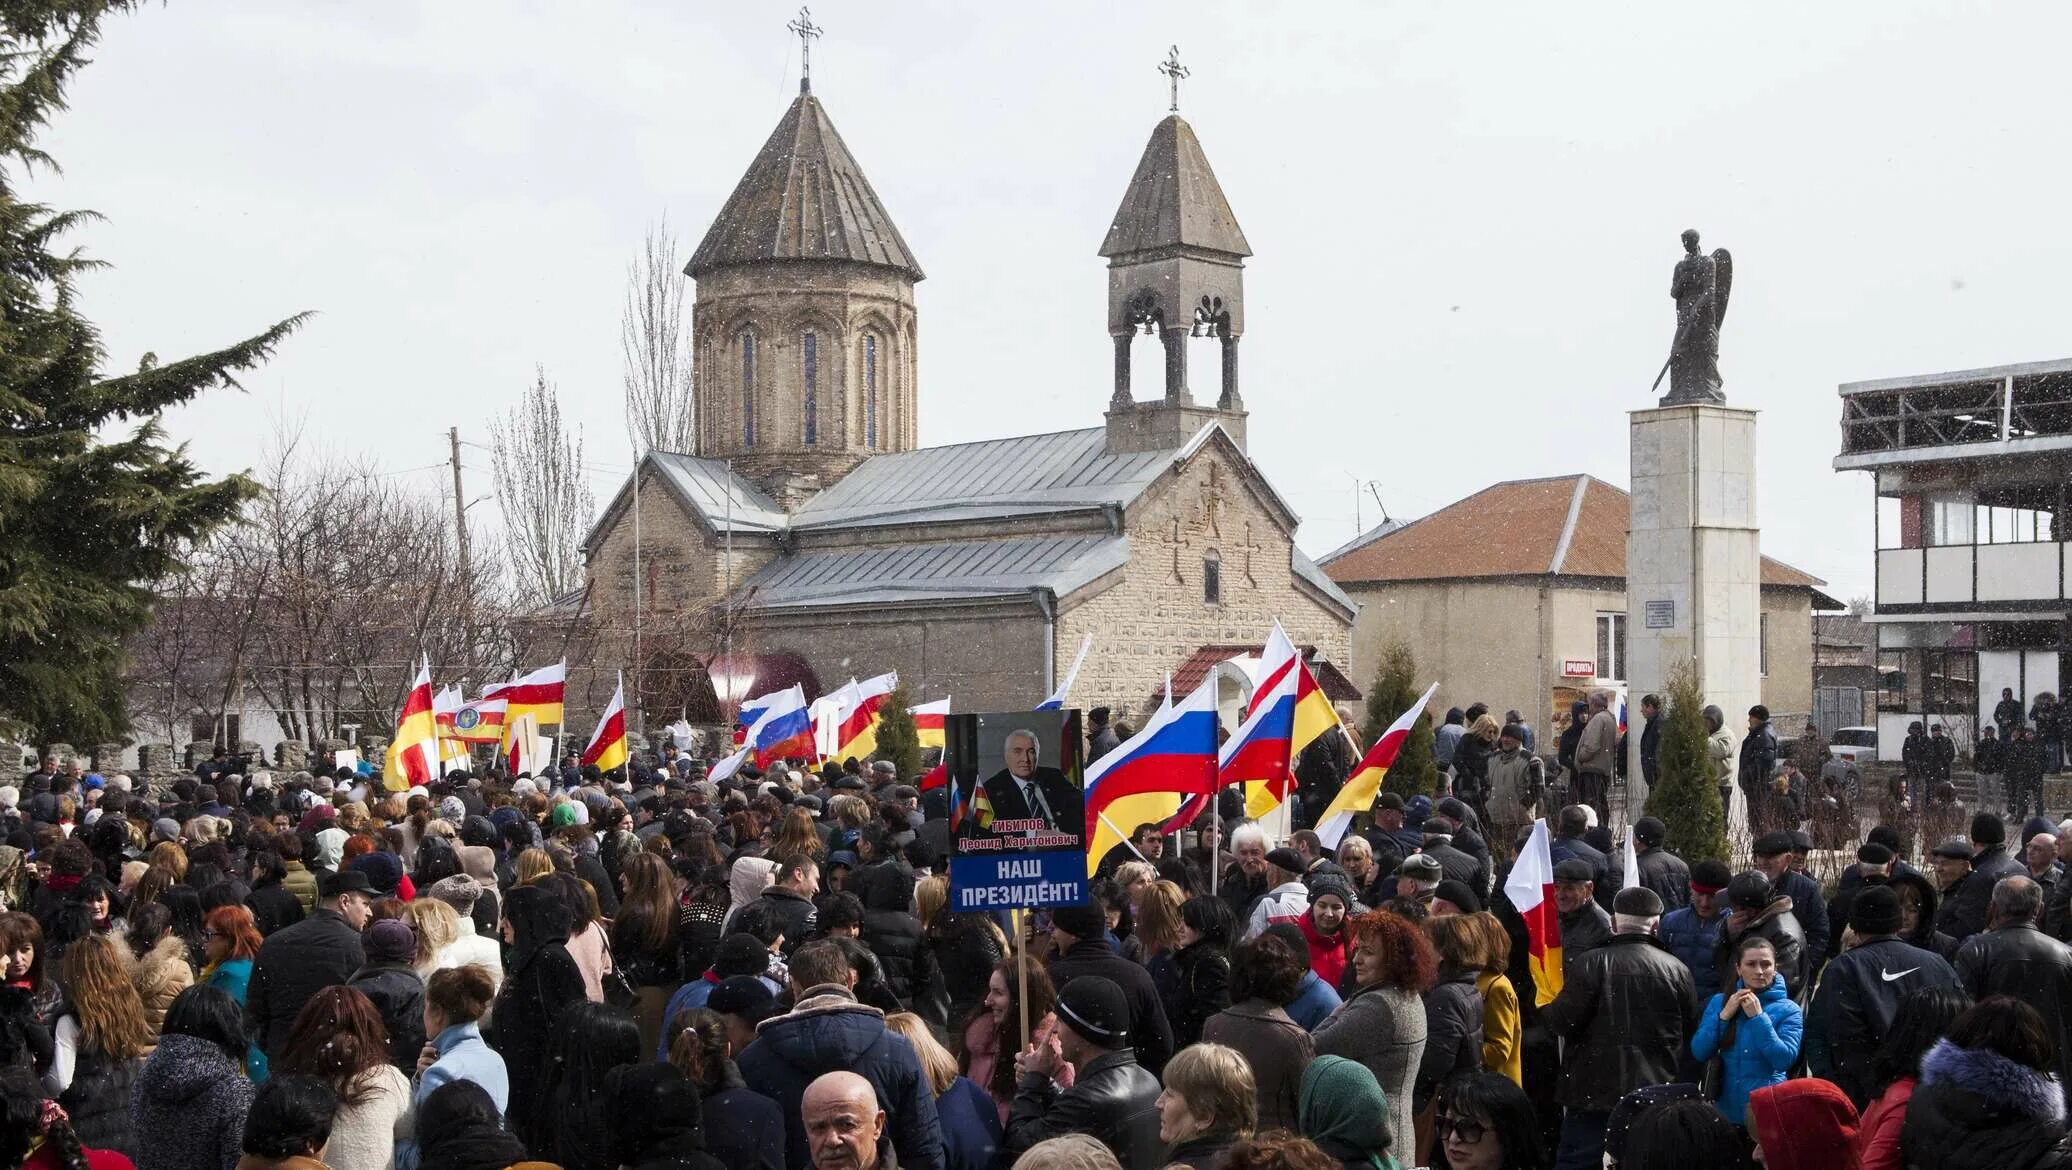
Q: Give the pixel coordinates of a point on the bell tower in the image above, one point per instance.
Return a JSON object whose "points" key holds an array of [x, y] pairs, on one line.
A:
{"points": [[1175, 270]]}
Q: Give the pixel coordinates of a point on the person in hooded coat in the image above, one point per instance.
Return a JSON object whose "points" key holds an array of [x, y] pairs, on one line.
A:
{"points": [[393, 986], [655, 1120], [543, 982], [458, 1128], [1985, 1100]]}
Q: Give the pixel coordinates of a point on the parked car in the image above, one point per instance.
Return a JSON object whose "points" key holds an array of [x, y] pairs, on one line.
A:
{"points": [[1858, 744]]}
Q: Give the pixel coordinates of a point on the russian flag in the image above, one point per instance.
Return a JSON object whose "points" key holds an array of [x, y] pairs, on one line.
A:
{"points": [[1056, 701], [784, 728], [1144, 779], [751, 710], [1363, 786]]}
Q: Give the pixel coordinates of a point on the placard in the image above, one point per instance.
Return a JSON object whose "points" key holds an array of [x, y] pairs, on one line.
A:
{"points": [[1578, 668], [1661, 615], [1017, 810]]}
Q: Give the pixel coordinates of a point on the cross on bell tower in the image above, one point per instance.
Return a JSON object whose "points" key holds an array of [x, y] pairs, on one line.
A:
{"points": [[1174, 71], [807, 30]]}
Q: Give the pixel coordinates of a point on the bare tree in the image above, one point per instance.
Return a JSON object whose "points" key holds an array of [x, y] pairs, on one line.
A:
{"points": [[655, 349], [544, 495]]}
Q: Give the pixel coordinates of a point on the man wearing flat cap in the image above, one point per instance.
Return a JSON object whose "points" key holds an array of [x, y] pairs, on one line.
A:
{"points": [[1774, 854], [296, 962], [1584, 924], [1626, 1011]]}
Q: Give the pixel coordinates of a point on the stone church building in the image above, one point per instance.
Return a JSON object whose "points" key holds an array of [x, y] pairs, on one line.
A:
{"points": [[810, 537]]}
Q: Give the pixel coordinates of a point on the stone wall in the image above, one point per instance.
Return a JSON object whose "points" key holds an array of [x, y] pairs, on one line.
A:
{"points": [[1153, 615], [987, 657]]}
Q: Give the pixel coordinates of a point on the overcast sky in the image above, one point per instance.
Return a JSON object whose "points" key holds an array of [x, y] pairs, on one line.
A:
{"points": [[1464, 216]]}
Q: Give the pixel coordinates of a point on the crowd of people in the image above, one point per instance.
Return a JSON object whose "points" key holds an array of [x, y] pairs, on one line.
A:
{"points": [[274, 971]]}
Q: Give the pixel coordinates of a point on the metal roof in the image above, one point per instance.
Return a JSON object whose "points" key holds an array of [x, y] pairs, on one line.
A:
{"points": [[723, 500], [1309, 571], [803, 198], [995, 478], [935, 572]]}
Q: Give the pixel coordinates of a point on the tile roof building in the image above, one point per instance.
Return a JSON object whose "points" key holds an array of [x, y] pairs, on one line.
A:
{"points": [[811, 525], [1516, 597]]}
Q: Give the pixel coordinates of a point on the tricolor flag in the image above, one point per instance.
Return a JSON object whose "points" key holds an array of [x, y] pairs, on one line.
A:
{"points": [[1358, 793], [1287, 713], [859, 725], [537, 694], [750, 711], [1531, 890], [1057, 698], [445, 701], [414, 758], [607, 747], [1145, 779], [481, 721], [960, 803], [784, 729], [928, 722]]}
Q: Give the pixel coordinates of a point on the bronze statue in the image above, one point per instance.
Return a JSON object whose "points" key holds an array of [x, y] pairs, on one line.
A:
{"points": [[1701, 285]]}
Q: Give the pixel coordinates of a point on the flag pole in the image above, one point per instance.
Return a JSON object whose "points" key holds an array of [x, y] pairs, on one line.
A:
{"points": [[1119, 833]]}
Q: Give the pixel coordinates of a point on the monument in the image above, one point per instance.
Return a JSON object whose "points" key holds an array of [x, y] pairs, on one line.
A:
{"points": [[1693, 583]]}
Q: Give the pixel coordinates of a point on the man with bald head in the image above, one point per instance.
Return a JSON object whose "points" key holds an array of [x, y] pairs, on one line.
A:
{"points": [[845, 1129], [2012, 957]]}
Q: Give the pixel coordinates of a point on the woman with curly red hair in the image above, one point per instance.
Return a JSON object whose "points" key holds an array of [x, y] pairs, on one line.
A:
{"points": [[1382, 1025]]}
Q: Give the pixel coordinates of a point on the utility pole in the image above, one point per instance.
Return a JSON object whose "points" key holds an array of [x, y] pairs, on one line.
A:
{"points": [[460, 512]]}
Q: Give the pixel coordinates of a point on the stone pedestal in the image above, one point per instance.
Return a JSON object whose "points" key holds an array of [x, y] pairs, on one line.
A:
{"points": [[1693, 565]]}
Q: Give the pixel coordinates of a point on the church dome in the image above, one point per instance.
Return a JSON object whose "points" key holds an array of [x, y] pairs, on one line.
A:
{"points": [[803, 198]]}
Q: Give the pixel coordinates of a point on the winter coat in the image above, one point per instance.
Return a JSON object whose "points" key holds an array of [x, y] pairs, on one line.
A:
{"points": [[1719, 749], [1625, 1011], [964, 949], [1327, 952], [1201, 989], [1114, 1100], [191, 1098], [1598, 749], [1877, 1137], [542, 983], [274, 907], [1453, 1033], [1150, 1034], [1809, 906], [301, 883], [1471, 768], [1666, 874], [743, 1128], [1314, 1003], [1966, 914], [161, 974], [398, 994], [297, 962], [1777, 923], [1384, 1029], [1695, 940], [971, 1133], [1503, 1045], [1277, 1049], [1286, 902], [98, 1095], [1754, 1051], [1516, 779], [462, 1056], [1857, 1004], [829, 1031], [364, 1136], [1203, 1151], [895, 937], [794, 913], [1977, 1110], [2021, 961], [1582, 932], [1758, 762]]}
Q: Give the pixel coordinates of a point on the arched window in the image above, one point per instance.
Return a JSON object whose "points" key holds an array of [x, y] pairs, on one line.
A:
{"points": [[809, 347], [870, 391], [748, 389], [1212, 578]]}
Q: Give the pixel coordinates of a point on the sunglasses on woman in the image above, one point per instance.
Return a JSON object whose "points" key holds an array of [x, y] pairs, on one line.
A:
{"points": [[1469, 1132]]}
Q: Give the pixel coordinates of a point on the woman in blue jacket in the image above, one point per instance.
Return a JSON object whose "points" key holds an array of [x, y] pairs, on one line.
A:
{"points": [[1754, 1029]]}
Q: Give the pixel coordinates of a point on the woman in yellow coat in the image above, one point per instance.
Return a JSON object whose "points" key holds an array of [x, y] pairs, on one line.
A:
{"points": [[1502, 1046]]}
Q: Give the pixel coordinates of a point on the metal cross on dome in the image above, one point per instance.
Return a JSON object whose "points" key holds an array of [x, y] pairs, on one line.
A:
{"points": [[1174, 71], [806, 30]]}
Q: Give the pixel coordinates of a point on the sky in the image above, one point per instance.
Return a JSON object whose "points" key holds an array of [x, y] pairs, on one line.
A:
{"points": [[1463, 216]]}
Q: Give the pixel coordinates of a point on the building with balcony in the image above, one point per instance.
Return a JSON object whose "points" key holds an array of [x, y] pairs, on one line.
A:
{"points": [[1973, 473]]}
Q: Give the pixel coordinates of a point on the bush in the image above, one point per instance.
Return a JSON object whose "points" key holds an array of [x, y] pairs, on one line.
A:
{"points": [[898, 740], [1686, 794]]}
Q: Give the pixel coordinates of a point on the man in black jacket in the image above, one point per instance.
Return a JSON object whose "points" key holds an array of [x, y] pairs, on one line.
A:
{"points": [[298, 961], [1081, 934], [1991, 862], [1859, 995], [2012, 957], [1660, 870], [1774, 854], [1758, 756], [1626, 1011], [791, 899], [1112, 1098], [1754, 906]]}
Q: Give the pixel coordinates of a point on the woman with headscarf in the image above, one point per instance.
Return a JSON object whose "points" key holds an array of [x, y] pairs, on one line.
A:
{"points": [[542, 983], [459, 1129], [1346, 1114], [746, 881]]}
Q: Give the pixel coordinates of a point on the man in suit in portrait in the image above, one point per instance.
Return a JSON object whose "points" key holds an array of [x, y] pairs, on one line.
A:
{"points": [[1025, 790]]}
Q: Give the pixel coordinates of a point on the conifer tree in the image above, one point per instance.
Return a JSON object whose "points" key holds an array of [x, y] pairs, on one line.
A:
{"points": [[95, 506], [898, 739], [1416, 771], [1686, 794]]}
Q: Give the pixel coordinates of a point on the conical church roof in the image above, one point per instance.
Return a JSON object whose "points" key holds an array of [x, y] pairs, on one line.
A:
{"points": [[1174, 199], [803, 198]]}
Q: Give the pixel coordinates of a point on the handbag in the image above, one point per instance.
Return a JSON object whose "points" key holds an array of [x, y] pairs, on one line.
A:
{"points": [[1714, 1080]]}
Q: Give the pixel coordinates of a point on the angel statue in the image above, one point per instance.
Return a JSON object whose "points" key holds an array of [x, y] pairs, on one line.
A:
{"points": [[1700, 285]]}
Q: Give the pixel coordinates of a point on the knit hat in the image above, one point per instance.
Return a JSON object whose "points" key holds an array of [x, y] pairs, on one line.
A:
{"points": [[1806, 1124], [1094, 1007], [1458, 893], [1638, 901], [564, 815], [2036, 825], [1342, 1103], [389, 941], [384, 870], [1453, 809], [1884, 835], [1331, 884], [451, 809], [1875, 911], [1710, 876], [1650, 831], [1749, 891], [1759, 712], [1513, 731], [459, 891], [1391, 801], [746, 996], [1080, 922], [1637, 1102], [1988, 829], [1772, 844], [1574, 869]]}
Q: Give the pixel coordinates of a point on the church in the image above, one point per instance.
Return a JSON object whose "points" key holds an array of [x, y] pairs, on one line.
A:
{"points": [[810, 537]]}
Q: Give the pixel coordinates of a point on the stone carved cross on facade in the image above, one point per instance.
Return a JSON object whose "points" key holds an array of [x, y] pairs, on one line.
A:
{"points": [[806, 30], [1174, 71]]}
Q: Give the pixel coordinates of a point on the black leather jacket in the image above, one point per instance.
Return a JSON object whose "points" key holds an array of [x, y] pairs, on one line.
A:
{"points": [[1787, 939], [1113, 1100], [1966, 914], [1627, 1012], [2021, 961]]}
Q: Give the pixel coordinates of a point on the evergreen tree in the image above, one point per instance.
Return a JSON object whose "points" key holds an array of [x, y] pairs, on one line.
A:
{"points": [[1395, 688], [898, 739], [1686, 793], [90, 517]]}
